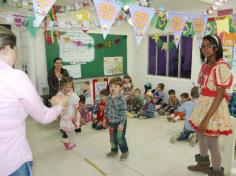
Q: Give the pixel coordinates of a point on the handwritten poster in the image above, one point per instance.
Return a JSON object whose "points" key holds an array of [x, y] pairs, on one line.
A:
{"points": [[74, 70], [77, 48]]}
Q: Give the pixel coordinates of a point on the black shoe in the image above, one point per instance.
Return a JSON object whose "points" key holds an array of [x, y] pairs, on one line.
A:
{"points": [[99, 127], [78, 130], [64, 134], [93, 125]]}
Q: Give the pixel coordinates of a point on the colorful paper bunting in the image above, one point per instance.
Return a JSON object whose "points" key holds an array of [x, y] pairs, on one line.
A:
{"points": [[107, 11], [199, 25], [141, 17], [210, 28], [41, 8], [177, 24]]}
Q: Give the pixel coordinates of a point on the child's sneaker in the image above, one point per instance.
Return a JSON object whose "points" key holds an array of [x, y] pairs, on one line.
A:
{"points": [[124, 156], [111, 154], [193, 139], [173, 139], [69, 146]]}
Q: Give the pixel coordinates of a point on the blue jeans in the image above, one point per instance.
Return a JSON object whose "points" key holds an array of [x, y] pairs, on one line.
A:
{"points": [[24, 170], [184, 135], [118, 138]]}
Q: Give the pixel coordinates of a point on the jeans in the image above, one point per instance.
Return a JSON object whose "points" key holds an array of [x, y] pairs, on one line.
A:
{"points": [[24, 170], [117, 138], [184, 135]]}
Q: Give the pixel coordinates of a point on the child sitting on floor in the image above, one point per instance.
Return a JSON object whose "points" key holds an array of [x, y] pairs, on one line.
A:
{"points": [[188, 132], [159, 95], [173, 104], [148, 108], [99, 109], [137, 101], [178, 114]]}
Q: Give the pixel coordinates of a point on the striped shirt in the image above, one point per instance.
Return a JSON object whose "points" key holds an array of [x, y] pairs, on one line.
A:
{"points": [[116, 109]]}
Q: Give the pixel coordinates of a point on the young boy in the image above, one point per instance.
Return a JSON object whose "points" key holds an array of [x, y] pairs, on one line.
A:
{"points": [[99, 109], [116, 112], [148, 108], [137, 101], [159, 95], [178, 114], [188, 132], [173, 104]]}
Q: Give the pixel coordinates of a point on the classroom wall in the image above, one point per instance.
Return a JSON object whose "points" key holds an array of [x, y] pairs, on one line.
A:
{"points": [[32, 52], [141, 67]]}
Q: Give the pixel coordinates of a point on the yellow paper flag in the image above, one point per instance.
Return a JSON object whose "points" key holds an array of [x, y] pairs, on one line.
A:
{"points": [[82, 15], [222, 25]]}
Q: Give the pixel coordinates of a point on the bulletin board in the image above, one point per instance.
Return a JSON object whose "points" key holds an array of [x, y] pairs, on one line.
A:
{"points": [[113, 46]]}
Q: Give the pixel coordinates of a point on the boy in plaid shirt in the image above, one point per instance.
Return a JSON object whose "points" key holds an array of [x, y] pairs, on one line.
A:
{"points": [[116, 112]]}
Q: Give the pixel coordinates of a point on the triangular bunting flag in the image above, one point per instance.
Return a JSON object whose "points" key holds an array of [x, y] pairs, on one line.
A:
{"points": [[199, 25], [107, 11], [161, 21], [41, 8], [141, 17], [210, 28], [187, 31], [33, 30], [177, 21]]}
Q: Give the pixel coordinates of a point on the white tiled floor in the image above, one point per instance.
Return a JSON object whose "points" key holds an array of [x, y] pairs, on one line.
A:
{"points": [[151, 154]]}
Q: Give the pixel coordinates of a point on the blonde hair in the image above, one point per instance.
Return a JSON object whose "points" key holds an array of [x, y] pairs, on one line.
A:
{"points": [[137, 90], [7, 37]]}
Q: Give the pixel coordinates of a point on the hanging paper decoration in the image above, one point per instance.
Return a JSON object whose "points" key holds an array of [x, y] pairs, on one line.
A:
{"points": [[82, 15], [234, 21], [85, 3], [107, 11], [144, 3], [156, 37], [199, 25], [41, 8], [231, 27], [127, 1], [177, 24], [222, 25], [187, 31], [141, 17], [30, 27], [161, 21], [210, 28]]}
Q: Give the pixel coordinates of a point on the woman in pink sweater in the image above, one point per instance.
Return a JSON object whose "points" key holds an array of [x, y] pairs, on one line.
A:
{"points": [[18, 99]]}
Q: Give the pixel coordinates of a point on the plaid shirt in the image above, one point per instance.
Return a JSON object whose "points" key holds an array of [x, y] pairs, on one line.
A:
{"points": [[116, 109]]}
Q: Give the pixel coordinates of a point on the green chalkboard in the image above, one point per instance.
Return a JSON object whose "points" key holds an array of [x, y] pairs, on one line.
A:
{"points": [[95, 68]]}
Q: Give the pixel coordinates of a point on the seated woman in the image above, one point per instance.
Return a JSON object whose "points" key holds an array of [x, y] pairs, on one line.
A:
{"points": [[55, 75]]}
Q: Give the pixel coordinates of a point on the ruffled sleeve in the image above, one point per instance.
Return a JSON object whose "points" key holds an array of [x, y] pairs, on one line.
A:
{"points": [[222, 75]]}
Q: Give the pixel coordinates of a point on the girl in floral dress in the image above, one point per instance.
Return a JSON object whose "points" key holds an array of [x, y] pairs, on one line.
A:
{"points": [[210, 117]]}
